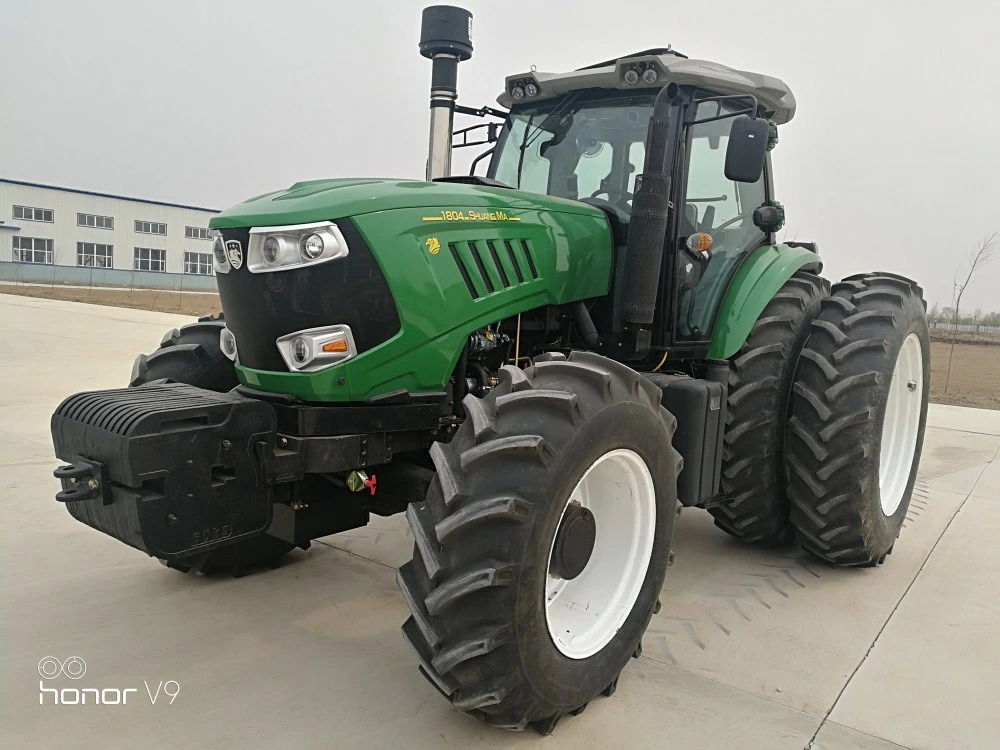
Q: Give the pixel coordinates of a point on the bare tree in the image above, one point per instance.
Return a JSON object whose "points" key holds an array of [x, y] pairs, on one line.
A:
{"points": [[987, 250]]}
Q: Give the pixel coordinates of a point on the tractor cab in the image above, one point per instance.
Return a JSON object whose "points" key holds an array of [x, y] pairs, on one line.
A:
{"points": [[583, 135]]}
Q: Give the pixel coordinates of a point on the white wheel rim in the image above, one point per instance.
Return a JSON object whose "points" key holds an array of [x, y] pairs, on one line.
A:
{"points": [[583, 614], [901, 424]]}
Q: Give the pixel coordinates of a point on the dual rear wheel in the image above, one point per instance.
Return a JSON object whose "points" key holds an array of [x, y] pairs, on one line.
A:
{"points": [[827, 405], [857, 421]]}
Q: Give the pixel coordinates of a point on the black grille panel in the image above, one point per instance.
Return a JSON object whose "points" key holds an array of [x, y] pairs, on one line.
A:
{"points": [[260, 307], [488, 266]]}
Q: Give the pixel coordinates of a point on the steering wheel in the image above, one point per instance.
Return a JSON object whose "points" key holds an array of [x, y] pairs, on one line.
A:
{"points": [[725, 224], [616, 197], [621, 213]]}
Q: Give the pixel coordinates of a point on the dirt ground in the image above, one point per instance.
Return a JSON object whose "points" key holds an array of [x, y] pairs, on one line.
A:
{"points": [[975, 367], [975, 375], [182, 303]]}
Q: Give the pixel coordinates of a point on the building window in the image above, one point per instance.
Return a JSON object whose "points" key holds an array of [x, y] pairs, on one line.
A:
{"points": [[33, 214], [148, 259], [32, 250], [199, 263], [94, 254], [150, 227], [197, 233], [92, 220]]}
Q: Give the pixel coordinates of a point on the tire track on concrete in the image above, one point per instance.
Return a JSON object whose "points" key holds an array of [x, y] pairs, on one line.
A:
{"points": [[906, 591]]}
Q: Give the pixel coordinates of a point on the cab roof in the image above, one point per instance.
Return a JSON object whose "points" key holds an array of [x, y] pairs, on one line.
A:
{"points": [[670, 66]]}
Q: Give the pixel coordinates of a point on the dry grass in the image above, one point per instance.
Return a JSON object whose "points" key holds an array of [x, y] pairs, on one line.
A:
{"points": [[182, 303], [975, 368]]}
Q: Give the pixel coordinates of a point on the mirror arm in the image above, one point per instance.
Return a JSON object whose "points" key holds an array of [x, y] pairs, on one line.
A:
{"points": [[481, 112]]}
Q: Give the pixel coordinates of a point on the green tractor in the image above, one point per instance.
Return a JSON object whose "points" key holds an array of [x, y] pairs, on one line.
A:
{"points": [[539, 367]]}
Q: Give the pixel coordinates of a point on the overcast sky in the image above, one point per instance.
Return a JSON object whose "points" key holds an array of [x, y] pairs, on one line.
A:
{"points": [[892, 161]]}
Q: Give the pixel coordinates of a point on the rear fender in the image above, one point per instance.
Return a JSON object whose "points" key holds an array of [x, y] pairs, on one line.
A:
{"points": [[752, 288]]}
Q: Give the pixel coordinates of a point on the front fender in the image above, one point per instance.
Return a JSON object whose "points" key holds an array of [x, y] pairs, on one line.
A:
{"points": [[752, 288]]}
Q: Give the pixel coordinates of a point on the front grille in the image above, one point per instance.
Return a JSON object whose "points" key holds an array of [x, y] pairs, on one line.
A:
{"points": [[260, 307], [489, 266]]}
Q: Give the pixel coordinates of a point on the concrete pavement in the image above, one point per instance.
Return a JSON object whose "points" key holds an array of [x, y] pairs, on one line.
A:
{"points": [[755, 649]]}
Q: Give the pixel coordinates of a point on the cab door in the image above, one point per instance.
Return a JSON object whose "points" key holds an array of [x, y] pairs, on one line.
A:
{"points": [[719, 207]]}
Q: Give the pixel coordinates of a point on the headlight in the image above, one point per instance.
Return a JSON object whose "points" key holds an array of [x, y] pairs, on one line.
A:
{"points": [[219, 258], [288, 247], [317, 348], [313, 245], [272, 249]]}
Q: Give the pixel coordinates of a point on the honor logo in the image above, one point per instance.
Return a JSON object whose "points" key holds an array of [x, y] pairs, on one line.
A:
{"points": [[73, 668]]}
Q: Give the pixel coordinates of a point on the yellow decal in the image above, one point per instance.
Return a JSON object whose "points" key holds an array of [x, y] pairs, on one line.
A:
{"points": [[472, 216], [433, 245]]}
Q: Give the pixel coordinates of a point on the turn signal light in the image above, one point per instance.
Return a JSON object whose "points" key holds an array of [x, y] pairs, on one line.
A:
{"points": [[333, 347], [699, 242]]}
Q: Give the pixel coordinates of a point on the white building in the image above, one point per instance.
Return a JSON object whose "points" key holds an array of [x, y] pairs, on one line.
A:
{"points": [[43, 224]]}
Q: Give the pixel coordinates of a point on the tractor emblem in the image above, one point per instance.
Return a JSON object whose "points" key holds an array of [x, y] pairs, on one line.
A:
{"points": [[433, 245], [235, 253]]}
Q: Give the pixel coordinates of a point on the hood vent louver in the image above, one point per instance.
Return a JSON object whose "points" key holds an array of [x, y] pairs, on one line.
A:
{"points": [[489, 266]]}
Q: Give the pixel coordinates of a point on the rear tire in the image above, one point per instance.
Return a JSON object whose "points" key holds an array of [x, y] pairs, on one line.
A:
{"points": [[481, 587], [193, 355], [755, 505], [858, 418]]}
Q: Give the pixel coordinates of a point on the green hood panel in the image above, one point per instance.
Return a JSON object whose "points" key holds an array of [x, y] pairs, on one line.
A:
{"points": [[452, 268], [327, 200]]}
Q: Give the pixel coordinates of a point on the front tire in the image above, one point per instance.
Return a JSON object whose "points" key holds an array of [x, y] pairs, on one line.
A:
{"points": [[858, 419], [494, 532], [191, 355]]}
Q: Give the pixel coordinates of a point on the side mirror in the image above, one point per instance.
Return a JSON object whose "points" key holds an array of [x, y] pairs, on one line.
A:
{"points": [[747, 148]]}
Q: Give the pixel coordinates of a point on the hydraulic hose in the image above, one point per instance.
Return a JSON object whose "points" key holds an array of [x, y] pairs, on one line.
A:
{"points": [[585, 325]]}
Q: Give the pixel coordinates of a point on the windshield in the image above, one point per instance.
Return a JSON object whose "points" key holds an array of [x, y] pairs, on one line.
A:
{"points": [[588, 145]]}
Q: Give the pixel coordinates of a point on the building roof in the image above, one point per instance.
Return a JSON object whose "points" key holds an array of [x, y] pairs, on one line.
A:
{"points": [[670, 66], [107, 195]]}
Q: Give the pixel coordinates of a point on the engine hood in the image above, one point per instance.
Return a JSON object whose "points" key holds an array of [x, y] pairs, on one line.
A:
{"points": [[327, 200]]}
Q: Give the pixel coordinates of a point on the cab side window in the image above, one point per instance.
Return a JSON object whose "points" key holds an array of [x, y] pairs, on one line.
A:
{"points": [[721, 208]]}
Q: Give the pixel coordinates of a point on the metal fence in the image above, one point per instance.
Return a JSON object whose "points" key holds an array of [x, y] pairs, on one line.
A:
{"points": [[964, 327], [86, 276]]}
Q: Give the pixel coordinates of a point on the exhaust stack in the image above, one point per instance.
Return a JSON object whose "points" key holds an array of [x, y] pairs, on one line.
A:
{"points": [[446, 40]]}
